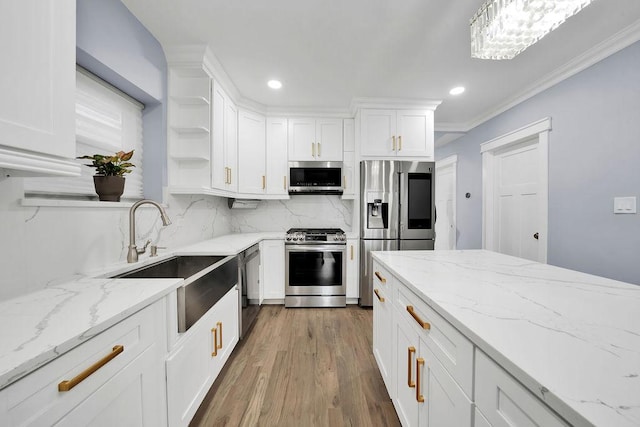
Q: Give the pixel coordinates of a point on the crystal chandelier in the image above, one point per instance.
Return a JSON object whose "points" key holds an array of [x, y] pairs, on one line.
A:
{"points": [[501, 29]]}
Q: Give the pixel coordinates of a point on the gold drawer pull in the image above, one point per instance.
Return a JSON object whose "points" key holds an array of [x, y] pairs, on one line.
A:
{"points": [[68, 385], [214, 353], [284, 182], [379, 276], [264, 182], [394, 142], [400, 143], [220, 327], [422, 323], [351, 252], [419, 362], [410, 382], [381, 299], [313, 149]]}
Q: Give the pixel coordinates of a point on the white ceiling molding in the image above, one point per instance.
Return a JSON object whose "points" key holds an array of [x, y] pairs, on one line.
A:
{"points": [[448, 138], [602, 50], [395, 103]]}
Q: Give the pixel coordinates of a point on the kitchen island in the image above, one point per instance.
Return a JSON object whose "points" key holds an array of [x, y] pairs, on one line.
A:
{"points": [[571, 339]]}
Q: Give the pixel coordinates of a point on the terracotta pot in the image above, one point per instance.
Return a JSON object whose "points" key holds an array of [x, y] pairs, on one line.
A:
{"points": [[109, 188]]}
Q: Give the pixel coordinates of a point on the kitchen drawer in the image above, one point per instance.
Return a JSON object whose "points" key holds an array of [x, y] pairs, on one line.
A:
{"points": [[505, 402], [452, 349], [36, 400], [382, 278]]}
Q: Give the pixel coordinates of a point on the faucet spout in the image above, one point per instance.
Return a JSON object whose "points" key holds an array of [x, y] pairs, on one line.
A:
{"points": [[132, 255]]}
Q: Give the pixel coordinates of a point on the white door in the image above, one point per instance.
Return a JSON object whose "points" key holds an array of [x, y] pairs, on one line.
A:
{"points": [[251, 153], [515, 181], [277, 167], [378, 130], [414, 133], [329, 140], [302, 138], [446, 203]]}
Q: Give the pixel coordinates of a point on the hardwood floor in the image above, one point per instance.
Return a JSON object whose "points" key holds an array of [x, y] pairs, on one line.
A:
{"points": [[301, 367]]}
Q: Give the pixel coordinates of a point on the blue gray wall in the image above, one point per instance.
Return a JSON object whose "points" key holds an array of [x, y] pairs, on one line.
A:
{"points": [[594, 155], [113, 44]]}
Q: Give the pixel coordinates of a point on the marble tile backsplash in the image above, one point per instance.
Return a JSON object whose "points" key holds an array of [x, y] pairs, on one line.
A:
{"points": [[42, 245]]}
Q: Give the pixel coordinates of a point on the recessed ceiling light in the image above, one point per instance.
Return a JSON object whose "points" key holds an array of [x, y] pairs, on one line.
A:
{"points": [[274, 84], [456, 90]]}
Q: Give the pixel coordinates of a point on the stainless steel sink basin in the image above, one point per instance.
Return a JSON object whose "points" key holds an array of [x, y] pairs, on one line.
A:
{"points": [[206, 280]]}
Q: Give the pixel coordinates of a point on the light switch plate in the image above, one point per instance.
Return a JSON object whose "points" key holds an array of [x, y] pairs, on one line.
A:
{"points": [[624, 205]]}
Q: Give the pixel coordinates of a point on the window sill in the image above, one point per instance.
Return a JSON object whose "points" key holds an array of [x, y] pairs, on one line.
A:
{"points": [[62, 203]]}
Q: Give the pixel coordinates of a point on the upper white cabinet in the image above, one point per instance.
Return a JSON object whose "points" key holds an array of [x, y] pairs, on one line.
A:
{"points": [[37, 83], [224, 141], [315, 139], [276, 152], [396, 133], [252, 166]]}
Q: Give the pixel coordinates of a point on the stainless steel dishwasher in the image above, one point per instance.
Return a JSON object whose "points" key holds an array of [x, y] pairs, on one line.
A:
{"points": [[249, 264]]}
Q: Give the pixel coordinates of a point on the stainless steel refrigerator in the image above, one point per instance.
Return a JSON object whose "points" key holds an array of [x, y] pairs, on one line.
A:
{"points": [[397, 212]]}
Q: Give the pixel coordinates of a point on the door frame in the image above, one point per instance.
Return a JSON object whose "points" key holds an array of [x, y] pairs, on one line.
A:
{"points": [[452, 162], [489, 150]]}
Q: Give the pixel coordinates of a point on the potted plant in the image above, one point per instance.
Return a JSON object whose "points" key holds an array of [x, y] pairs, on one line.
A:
{"points": [[109, 177]]}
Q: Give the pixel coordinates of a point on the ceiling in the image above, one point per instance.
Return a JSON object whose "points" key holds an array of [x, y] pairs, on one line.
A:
{"points": [[329, 52]]}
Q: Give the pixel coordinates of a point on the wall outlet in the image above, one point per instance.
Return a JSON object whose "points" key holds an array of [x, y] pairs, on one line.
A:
{"points": [[624, 205]]}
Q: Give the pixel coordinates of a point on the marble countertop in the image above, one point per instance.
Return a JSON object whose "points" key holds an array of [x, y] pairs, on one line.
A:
{"points": [[571, 338], [38, 327]]}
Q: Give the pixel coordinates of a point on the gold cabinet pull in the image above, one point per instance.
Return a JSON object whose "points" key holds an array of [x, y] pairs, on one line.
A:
{"points": [[319, 155], [313, 149], [381, 299], [219, 324], [229, 175], [422, 323], [379, 276], [351, 252], [226, 175], [214, 353], [419, 362], [264, 182], [284, 183], [344, 181], [67, 385], [394, 142], [400, 143], [410, 381]]}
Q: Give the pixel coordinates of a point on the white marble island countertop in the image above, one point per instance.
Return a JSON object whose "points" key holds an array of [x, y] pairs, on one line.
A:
{"points": [[40, 326], [571, 338]]}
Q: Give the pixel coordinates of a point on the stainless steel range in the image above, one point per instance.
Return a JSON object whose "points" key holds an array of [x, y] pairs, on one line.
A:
{"points": [[315, 267]]}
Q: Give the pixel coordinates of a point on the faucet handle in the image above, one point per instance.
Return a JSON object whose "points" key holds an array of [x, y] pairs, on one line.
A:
{"points": [[144, 248], [154, 249]]}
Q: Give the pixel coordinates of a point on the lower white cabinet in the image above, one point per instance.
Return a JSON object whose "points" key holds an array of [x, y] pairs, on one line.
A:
{"points": [[197, 359], [353, 267], [272, 274], [426, 395], [125, 384], [382, 333], [506, 403]]}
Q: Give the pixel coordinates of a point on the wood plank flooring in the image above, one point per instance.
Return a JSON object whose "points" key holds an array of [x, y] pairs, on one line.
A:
{"points": [[301, 367]]}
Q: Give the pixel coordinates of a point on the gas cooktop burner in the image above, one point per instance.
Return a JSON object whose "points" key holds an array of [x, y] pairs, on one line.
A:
{"points": [[315, 235]]}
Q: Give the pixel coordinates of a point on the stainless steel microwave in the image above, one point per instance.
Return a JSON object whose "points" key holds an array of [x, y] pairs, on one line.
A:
{"points": [[315, 178]]}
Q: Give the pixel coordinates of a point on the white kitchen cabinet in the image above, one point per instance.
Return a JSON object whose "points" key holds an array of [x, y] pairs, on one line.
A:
{"points": [[37, 106], [200, 354], [397, 133], [315, 139], [349, 134], [383, 332], [276, 152], [189, 137], [272, 271], [505, 402], [252, 166], [224, 141], [353, 291], [426, 394], [349, 172], [127, 388]]}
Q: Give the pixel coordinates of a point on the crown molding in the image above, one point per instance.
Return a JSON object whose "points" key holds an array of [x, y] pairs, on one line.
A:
{"points": [[597, 53], [394, 103]]}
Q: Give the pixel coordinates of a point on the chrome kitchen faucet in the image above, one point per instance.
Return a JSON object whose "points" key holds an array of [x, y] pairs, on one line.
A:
{"points": [[132, 256]]}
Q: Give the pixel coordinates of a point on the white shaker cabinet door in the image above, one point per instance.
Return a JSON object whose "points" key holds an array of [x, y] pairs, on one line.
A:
{"points": [[252, 176], [302, 140], [414, 133], [378, 130], [329, 140], [276, 152], [272, 271]]}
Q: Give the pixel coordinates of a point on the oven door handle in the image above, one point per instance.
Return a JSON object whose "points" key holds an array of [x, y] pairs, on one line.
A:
{"points": [[316, 248]]}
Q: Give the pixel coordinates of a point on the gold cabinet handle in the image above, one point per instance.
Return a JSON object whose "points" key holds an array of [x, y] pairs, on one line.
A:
{"points": [[400, 143], [284, 183], [381, 299], [313, 149], [264, 182], [422, 323], [351, 252], [410, 381], [69, 384], [379, 276], [226, 175], [214, 331], [319, 155], [229, 175], [219, 324], [344, 181], [394, 142], [419, 397]]}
